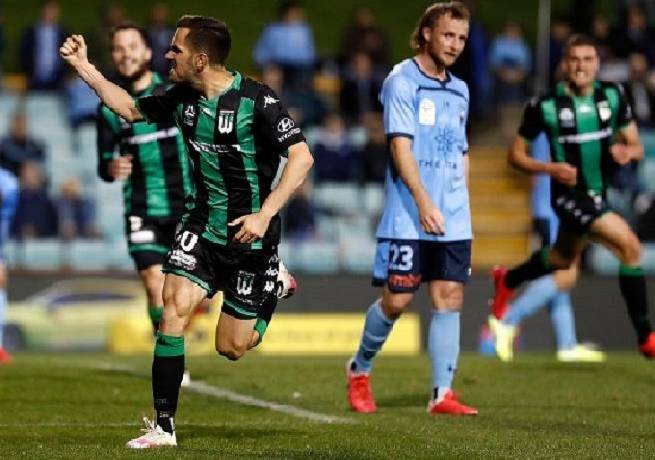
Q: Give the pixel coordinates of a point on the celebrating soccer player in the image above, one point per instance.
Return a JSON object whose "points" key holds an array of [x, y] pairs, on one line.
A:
{"points": [[591, 130], [425, 230], [235, 130]]}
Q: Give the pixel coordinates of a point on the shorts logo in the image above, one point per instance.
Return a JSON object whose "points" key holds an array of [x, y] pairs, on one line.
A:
{"points": [[136, 223], [404, 281], [225, 121], [245, 281], [179, 258], [189, 115], [269, 286], [285, 125], [188, 240]]}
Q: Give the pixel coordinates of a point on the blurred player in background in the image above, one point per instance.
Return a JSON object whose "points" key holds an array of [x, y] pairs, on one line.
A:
{"points": [[551, 290], [425, 231], [591, 130], [9, 191], [236, 131]]}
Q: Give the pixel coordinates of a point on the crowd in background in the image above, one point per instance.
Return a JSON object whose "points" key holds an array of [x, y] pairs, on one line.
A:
{"points": [[333, 98]]}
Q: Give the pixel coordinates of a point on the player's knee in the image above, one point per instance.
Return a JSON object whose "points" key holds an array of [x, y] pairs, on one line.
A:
{"points": [[231, 350], [560, 260], [394, 307], [171, 322], [631, 250]]}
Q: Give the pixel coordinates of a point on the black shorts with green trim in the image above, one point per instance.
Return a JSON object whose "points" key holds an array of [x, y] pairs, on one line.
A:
{"points": [[245, 276], [149, 239], [577, 210]]}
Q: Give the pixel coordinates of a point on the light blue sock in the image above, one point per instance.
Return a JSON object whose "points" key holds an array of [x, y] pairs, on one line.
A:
{"points": [[376, 330], [3, 312], [536, 295], [561, 315], [443, 345]]}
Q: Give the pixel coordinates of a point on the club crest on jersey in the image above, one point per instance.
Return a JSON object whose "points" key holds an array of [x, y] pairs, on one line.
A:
{"points": [[604, 111], [566, 117], [427, 112], [189, 115], [225, 121]]}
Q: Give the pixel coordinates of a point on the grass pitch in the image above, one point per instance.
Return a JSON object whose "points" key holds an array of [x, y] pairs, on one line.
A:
{"points": [[65, 406]]}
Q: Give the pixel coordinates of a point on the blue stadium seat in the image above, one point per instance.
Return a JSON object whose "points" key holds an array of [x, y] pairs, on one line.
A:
{"points": [[315, 256], [42, 254], [88, 255], [338, 197], [357, 254]]}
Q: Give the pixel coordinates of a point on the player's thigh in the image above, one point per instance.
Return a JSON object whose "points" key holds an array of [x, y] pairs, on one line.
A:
{"points": [[613, 232], [565, 279], [181, 296], [446, 295]]}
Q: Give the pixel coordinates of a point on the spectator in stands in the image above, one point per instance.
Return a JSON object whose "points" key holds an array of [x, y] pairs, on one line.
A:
{"points": [[300, 214], [364, 35], [304, 106], [110, 15], [81, 102], [75, 212], [39, 49], [560, 31], [18, 147], [289, 44], [334, 158], [510, 61], [635, 36], [600, 31], [375, 154], [360, 88], [641, 93], [2, 44], [160, 32], [36, 216]]}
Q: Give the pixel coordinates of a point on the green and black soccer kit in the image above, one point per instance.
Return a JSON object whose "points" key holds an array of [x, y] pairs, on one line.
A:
{"points": [[235, 142], [154, 194], [580, 130]]}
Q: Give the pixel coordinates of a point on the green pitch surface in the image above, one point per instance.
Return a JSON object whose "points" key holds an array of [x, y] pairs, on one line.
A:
{"points": [[89, 405]]}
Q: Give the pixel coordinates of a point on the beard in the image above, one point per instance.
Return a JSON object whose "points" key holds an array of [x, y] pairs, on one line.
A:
{"points": [[140, 72], [438, 62]]}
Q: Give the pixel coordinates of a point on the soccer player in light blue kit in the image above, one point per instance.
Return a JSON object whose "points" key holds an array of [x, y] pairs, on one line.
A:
{"points": [[8, 202], [425, 231], [551, 290]]}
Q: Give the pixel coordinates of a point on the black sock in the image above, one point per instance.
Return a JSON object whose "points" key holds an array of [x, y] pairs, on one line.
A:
{"points": [[266, 310], [633, 288], [435, 393], [536, 266], [167, 371]]}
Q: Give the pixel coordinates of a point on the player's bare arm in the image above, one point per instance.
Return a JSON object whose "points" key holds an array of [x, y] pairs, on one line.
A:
{"points": [[628, 146], [253, 226], [518, 157], [432, 220], [74, 52]]}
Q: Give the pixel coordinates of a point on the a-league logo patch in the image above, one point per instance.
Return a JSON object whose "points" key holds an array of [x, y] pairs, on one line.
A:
{"points": [[225, 121], [245, 281]]}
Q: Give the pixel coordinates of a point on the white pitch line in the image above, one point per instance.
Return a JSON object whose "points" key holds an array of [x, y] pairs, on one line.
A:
{"points": [[223, 393]]}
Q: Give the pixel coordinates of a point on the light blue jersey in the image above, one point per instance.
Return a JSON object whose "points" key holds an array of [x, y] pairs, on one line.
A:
{"points": [[8, 202], [433, 114], [541, 208]]}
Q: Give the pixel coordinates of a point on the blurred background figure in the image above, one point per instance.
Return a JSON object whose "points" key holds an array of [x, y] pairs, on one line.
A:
{"points": [[641, 93], [75, 212], [511, 61], [375, 153], [360, 88], [560, 31], [81, 102], [634, 35], [160, 32], [289, 44], [364, 35], [17, 147], [334, 159], [300, 215], [36, 216], [8, 199], [39, 49]]}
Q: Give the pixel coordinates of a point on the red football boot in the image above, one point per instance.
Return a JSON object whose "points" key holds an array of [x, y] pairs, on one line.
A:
{"points": [[647, 347], [502, 294], [450, 405], [360, 396], [5, 357]]}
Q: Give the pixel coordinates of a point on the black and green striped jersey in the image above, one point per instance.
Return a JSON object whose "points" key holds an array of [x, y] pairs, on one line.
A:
{"points": [[580, 130], [161, 173], [235, 142]]}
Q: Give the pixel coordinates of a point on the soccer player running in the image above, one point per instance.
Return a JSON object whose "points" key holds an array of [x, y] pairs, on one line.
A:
{"points": [[236, 130], [591, 130], [550, 290], [9, 191], [425, 230]]}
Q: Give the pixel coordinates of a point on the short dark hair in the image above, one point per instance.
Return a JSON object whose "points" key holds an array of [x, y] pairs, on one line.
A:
{"points": [[456, 10], [579, 40], [131, 25], [208, 35]]}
